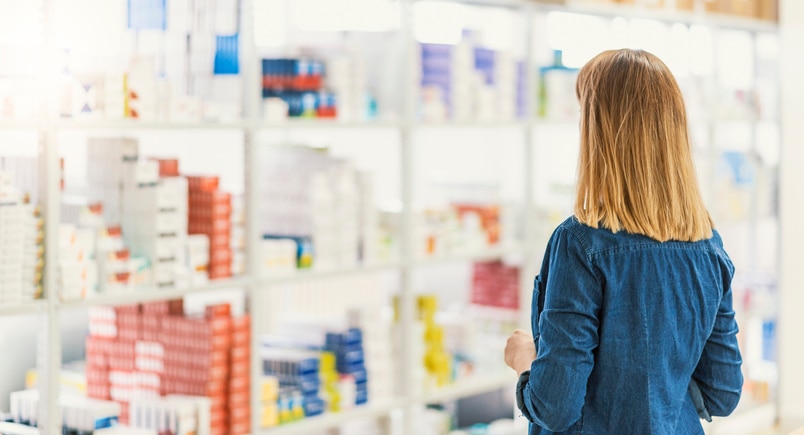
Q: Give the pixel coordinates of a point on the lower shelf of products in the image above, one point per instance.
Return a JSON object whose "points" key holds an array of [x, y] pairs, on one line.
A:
{"points": [[470, 387], [320, 423], [465, 388]]}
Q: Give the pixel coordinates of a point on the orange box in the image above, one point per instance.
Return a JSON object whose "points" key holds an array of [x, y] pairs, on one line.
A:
{"points": [[239, 385], [204, 183], [220, 271], [239, 399], [176, 307], [159, 307], [218, 310], [219, 256], [168, 167], [240, 429], [239, 415], [240, 354], [239, 369], [198, 198], [242, 323], [219, 401], [201, 210], [241, 338]]}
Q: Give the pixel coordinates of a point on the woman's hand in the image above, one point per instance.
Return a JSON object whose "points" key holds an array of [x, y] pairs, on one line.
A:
{"points": [[520, 352]]}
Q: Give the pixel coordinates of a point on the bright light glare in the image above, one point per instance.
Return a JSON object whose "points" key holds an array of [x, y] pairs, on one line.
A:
{"points": [[438, 22], [269, 23], [679, 61], [652, 36], [89, 26], [701, 55], [735, 54], [569, 32], [345, 15], [21, 23], [496, 27]]}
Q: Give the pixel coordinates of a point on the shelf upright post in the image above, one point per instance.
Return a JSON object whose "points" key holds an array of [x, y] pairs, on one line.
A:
{"points": [[49, 351], [407, 308], [251, 94], [528, 211], [791, 214], [49, 339]]}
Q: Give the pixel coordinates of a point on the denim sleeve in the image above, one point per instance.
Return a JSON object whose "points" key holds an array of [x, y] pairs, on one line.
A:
{"points": [[718, 373], [553, 395]]}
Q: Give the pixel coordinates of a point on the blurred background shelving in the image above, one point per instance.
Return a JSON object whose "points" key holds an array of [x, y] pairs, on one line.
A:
{"points": [[386, 171]]}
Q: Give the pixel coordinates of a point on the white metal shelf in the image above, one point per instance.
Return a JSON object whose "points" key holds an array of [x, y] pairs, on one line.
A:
{"points": [[471, 386], [25, 308], [136, 124], [312, 274], [319, 424], [492, 253], [152, 294], [666, 15]]}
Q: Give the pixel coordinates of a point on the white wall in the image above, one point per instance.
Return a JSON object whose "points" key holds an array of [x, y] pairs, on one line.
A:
{"points": [[791, 321]]}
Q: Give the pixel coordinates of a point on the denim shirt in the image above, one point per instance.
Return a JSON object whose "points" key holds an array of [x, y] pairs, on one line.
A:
{"points": [[623, 325]]}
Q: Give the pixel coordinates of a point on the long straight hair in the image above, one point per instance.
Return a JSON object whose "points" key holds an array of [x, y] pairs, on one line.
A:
{"points": [[635, 170]]}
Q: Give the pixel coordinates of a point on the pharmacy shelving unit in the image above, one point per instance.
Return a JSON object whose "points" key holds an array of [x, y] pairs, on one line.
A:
{"points": [[528, 249]]}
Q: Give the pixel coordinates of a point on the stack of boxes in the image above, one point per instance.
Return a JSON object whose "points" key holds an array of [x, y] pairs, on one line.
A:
{"points": [[269, 401], [155, 219], [21, 245], [347, 79], [110, 159], [350, 364], [322, 200], [298, 375], [437, 362], [299, 84], [380, 365], [238, 243], [495, 284], [22, 252], [140, 352], [210, 214], [80, 415], [174, 415], [464, 82]]}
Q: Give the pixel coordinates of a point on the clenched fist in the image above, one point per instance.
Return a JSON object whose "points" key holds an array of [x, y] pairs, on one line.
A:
{"points": [[520, 351]]}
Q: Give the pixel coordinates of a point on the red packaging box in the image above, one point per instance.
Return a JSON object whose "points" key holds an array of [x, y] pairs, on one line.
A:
{"points": [[168, 167], [218, 310], [239, 399], [151, 321], [176, 307], [239, 415], [217, 241], [197, 198], [128, 320], [241, 338], [98, 391], [98, 360], [204, 183], [240, 369], [150, 334], [158, 308], [222, 271], [218, 401], [201, 210], [220, 256], [239, 385], [242, 323], [127, 309], [240, 429], [210, 227], [129, 333], [240, 355], [218, 417]]}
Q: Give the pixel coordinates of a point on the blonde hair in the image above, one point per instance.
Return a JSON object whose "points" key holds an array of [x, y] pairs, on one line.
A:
{"points": [[635, 170]]}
